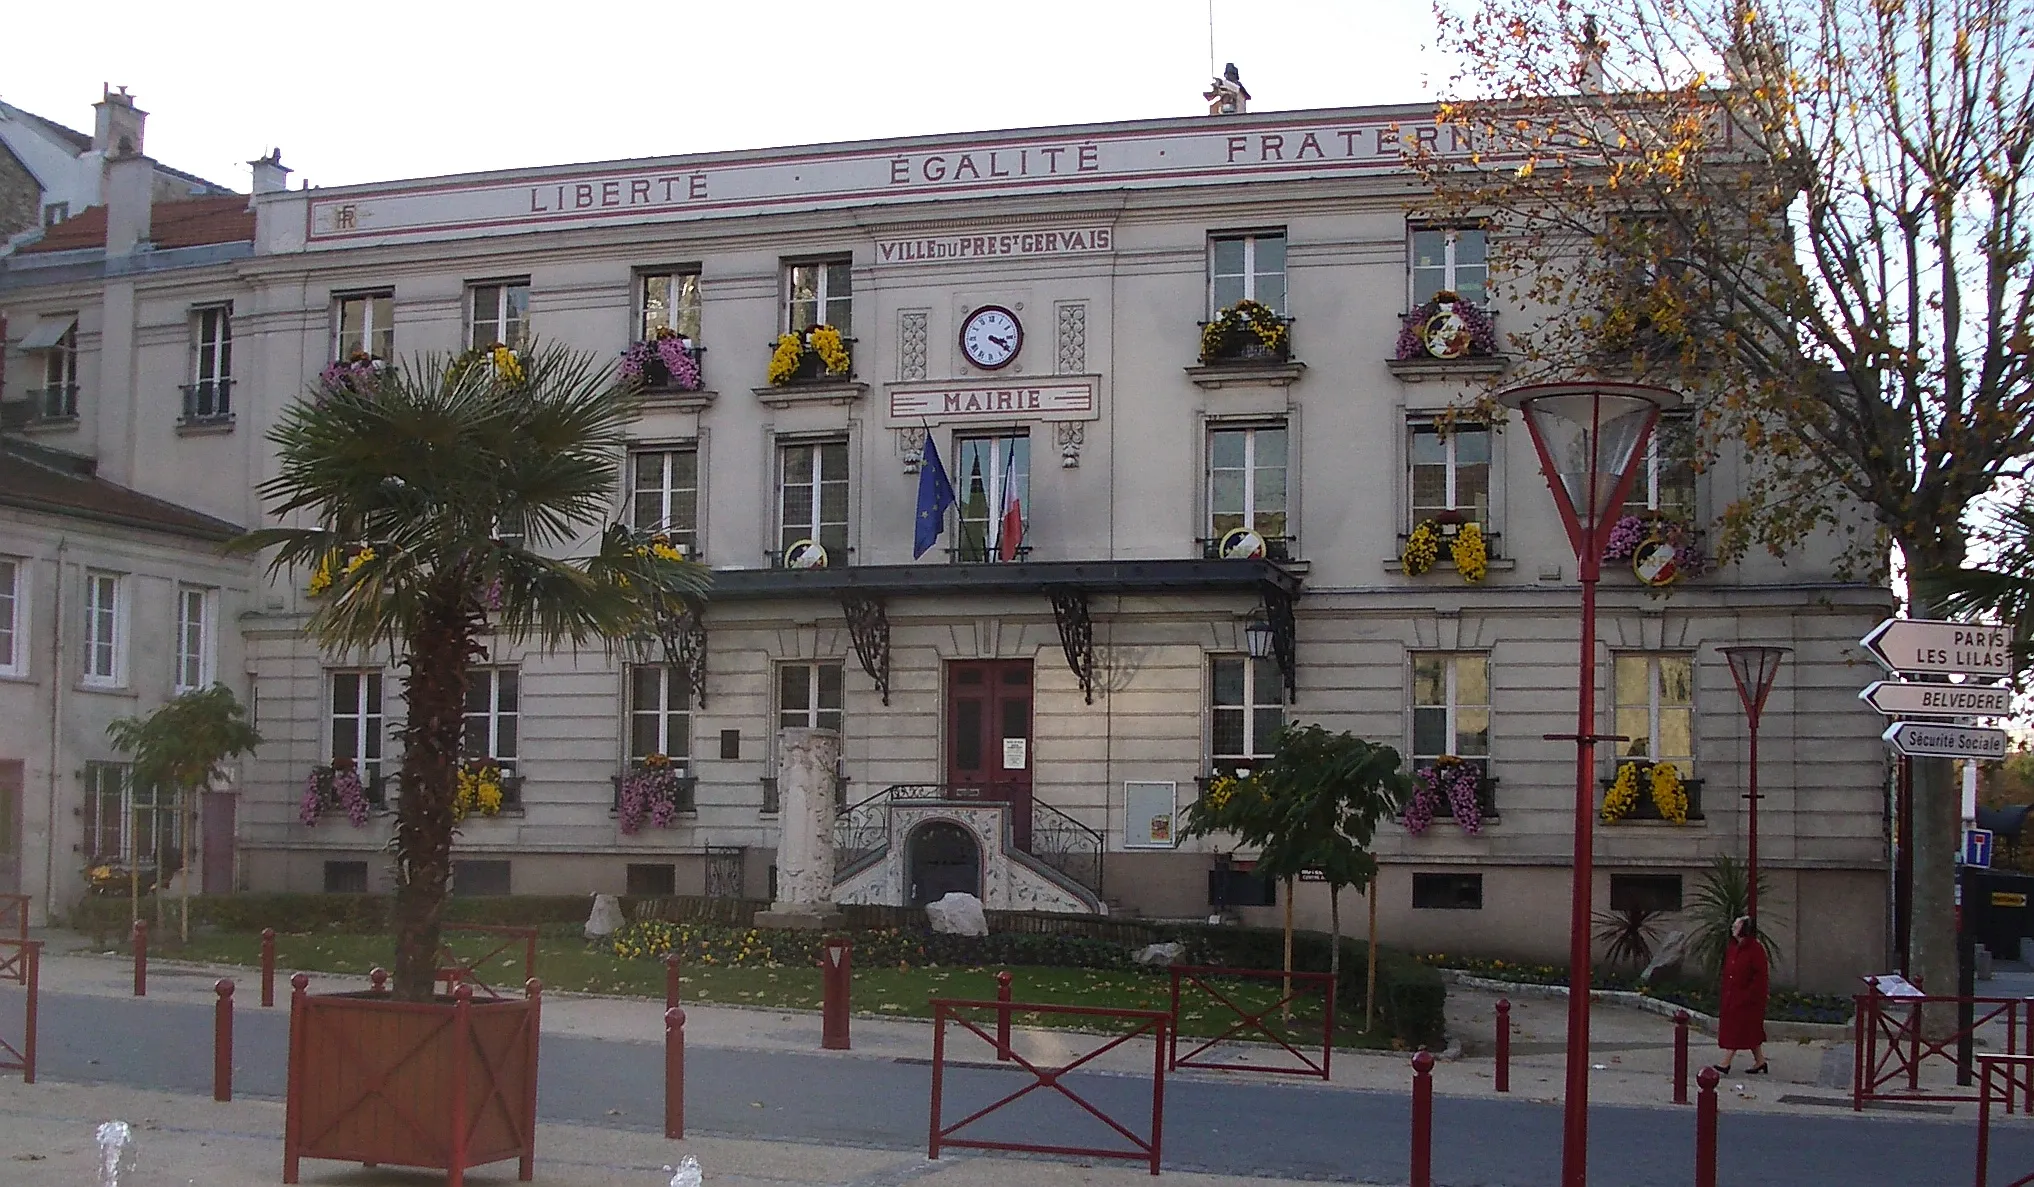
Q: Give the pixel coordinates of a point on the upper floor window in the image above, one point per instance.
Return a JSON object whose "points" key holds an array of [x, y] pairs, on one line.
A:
{"points": [[55, 212], [669, 301], [13, 617], [1451, 259], [364, 323], [1451, 472], [1247, 480], [491, 715], [197, 638], [498, 314], [995, 485], [1665, 485], [54, 337], [1247, 267], [105, 660], [1245, 711], [819, 292], [358, 725], [1451, 707], [812, 494], [660, 711], [209, 395], [666, 495], [1655, 698]]}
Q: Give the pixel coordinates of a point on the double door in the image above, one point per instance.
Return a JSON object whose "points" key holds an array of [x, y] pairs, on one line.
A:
{"points": [[989, 736]]}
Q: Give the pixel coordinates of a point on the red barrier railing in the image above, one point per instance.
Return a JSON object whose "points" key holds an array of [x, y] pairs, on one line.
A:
{"points": [[455, 972], [25, 955], [1892, 1048], [1250, 1023], [2002, 1077], [13, 916], [1142, 1149]]}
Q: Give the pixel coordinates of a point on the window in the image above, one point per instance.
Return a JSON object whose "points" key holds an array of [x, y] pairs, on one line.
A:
{"points": [[1655, 697], [1451, 473], [666, 495], [819, 292], [358, 727], [59, 394], [1451, 708], [1645, 892], [1447, 892], [994, 471], [1246, 709], [55, 212], [813, 494], [810, 696], [1246, 481], [13, 617], [345, 877], [1247, 267], [105, 634], [660, 712], [1665, 485], [364, 324], [480, 877], [499, 314], [1452, 258], [652, 879], [670, 301], [124, 823], [1644, 247], [491, 715], [210, 393], [197, 661]]}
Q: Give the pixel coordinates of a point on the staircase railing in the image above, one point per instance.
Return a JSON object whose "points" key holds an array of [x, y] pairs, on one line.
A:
{"points": [[1067, 845], [861, 831]]}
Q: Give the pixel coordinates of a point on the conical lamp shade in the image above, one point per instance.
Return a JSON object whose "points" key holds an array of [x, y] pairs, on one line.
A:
{"points": [[1590, 438]]}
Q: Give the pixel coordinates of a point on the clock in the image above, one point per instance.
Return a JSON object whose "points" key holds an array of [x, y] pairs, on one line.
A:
{"points": [[990, 337]]}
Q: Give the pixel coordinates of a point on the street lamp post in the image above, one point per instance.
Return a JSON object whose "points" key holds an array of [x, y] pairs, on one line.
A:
{"points": [[1591, 438], [1752, 669]]}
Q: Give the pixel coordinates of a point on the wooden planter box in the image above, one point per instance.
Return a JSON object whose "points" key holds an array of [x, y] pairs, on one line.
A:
{"points": [[445, 1085]]}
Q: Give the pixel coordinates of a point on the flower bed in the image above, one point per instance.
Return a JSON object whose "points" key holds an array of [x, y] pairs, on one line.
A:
{"points": [[1783, 1005]]}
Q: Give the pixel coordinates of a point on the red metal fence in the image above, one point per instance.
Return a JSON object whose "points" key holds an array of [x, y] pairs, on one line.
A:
{"points": [[1250, 1024], [13, 916], [1142, 1149], [25, 956], [456, 970], [1892, 1048], [2001, 1077]]}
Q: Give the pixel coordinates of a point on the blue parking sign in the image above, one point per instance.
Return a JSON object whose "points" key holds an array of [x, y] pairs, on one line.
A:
{"points": [[1977, 847]]}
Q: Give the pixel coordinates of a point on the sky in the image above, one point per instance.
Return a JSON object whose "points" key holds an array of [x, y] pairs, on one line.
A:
{"points": [[371, 90]]}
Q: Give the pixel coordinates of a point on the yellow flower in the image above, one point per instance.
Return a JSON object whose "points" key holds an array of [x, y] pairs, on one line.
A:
{"points": [[666, 552], [1623, 794], [358, 559], [831, 349], [489, 796], [321, 577], [1668, 794], [1472, 555], [1422, 547], [507, 365], [784, 359]]}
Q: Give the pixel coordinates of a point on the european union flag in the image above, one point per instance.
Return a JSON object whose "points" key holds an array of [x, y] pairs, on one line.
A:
{"points": [[935, 495]]}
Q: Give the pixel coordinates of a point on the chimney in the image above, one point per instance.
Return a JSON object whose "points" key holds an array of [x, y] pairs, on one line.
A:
{"points": [[271, 176], [118, 129], [128, 188], [1589, 74], [1225, 95]]}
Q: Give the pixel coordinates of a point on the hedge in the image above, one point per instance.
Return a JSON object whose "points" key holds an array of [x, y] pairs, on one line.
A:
{"points": [[368, 914]]}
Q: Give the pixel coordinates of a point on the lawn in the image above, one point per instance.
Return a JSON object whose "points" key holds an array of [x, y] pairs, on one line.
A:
{"points": [[568, 964]]}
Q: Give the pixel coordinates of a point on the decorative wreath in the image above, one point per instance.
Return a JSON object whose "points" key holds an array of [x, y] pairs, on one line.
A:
{"points": [[1413, 332]]}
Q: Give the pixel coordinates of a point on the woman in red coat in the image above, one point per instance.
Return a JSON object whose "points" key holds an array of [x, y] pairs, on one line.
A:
{"points": [[1741, 1021]]}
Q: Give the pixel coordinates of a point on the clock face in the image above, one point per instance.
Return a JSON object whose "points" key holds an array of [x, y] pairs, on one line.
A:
{"points": [[991, 336]]}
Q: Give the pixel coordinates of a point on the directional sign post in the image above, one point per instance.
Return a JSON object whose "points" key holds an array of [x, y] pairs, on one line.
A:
{"points": [[1923, 739], [1922, 646], [1898, 698]]}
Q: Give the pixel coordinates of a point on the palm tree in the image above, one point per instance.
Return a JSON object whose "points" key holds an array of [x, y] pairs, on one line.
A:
{"points": [[2005, 589], [436, 495]]}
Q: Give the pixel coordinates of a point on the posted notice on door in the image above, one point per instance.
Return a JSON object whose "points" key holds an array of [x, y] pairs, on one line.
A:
{"points": [[1015, 750]]}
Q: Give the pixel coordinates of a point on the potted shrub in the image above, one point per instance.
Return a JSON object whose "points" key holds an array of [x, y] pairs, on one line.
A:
{"points": [[405, 476]]}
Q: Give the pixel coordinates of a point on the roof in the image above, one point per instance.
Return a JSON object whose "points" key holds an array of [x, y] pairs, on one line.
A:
{"points": [[78, 142], [185, 222], [38, 478]]}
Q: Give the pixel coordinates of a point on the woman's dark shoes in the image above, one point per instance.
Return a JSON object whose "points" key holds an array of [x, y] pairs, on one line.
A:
{"points": [[1719, 1069], [1760, 1070]]}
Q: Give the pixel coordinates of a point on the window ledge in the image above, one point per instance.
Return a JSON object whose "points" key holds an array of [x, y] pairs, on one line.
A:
{"points": [[1497, 564], [1247, 374], [112, 690], [209, 426], [675, 400], [1633, 822], [1417, 370], [50, 424], [793, 395], [1446, 824], [506, 812]]}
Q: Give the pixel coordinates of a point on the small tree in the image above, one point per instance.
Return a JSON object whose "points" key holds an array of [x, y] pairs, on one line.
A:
{"points": [[182, 747]]}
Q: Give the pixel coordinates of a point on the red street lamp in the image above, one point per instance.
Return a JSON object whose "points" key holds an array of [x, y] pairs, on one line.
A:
{"points": [[1590, 438], [1752, 669]]}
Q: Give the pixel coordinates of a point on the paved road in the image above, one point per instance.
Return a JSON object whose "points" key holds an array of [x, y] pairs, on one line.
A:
{"points": [[1231, 1127]]}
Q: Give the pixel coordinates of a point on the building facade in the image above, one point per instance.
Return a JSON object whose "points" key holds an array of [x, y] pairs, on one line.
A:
{"points": [[1166, 541]]}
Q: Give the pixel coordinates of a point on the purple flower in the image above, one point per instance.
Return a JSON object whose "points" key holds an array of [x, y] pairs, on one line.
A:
{"points": [[491, 597], [313, 802], [1419, 810], [1625, 536], [678, 363]]}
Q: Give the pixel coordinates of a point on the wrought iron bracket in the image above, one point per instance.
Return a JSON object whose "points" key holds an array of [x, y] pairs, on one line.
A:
{"points": [[868, 622], [1278, 606], [1076, 636]]}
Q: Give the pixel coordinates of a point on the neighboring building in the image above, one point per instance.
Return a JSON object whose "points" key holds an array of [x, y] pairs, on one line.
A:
{"points": [[1031, 303], [50, 173]]}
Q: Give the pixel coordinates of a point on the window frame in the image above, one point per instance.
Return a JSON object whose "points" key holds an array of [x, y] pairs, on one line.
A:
{"points": [[816, 526], [372, 333], [1450, 266], [114, 644], [815, 711], [1251, 273], [1452, 707], [667, 492], [514, 330], [59, 391], [674, 702], [1644, 498], [210, 394], [197, 669], [1654, 705], [1250, 430], [824, 298], [54, 213], [497, 677], [1486, 519], [1456, 880], [163, 817], [370, 728], [683, 301], [14, 618], [1259, 676], [990, 528]]}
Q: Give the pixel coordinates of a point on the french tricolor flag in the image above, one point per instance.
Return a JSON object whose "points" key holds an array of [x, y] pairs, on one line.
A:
{"points": [[1010, 530]]}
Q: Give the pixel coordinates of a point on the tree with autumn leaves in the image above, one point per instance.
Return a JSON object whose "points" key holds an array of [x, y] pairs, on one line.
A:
{"points": [[1807, 217]]}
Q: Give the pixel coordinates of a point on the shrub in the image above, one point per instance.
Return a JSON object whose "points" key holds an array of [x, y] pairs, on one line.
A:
{"points": [[1412, 998]]}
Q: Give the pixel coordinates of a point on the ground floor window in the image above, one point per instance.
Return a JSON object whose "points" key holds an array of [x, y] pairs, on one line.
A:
{"points": [[1447, 892], [1645, 892], [652, 879], [471, 878], [1245, 710], [345, 877]]}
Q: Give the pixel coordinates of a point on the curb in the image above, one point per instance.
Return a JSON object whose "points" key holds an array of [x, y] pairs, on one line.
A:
{"points": [[1775, 1029]]}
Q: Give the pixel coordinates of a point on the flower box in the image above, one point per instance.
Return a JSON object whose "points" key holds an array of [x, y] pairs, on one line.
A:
{"points": [[1246, 334], [1643, 808], [1436, 787], [338, 789], [664, 363], [1446, 328], [819, 354], [653, 793]]}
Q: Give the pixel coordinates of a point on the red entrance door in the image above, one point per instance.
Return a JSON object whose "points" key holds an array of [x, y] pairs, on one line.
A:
{"points": [[989, 735]]}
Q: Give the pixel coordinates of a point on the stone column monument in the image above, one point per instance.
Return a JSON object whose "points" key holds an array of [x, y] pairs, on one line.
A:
{"points": [[806, 763]]}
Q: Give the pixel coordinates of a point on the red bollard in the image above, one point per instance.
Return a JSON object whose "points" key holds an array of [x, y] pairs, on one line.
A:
{"points": [[1423, 1119], [34, 957], [1003, 1017], [222, 1041], [674, 1073], [1705, 1129], [836, 972], [671, 980], [1504, 1044], [1680, 1057], [377, 980], [267, 967], [141, 958]]}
